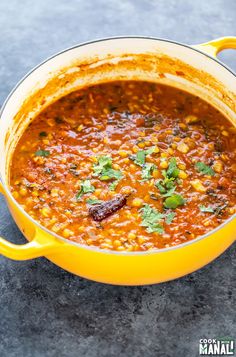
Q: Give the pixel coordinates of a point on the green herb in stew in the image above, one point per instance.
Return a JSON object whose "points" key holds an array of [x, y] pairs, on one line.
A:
{"points": [[204, 169], [85, 187], [174, 201], [43, 153]]}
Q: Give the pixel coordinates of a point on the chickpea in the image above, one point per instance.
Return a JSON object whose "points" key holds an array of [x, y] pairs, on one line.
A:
{"points": [[105, 246], [156, 174], [141, 145], [116, 243], [183, 175], [45, 211], [131, 236], [163, 164], [80, 127], [123, 153], [15, 194], [120, 248], [198, 186], [233, 167], [182, 167], [54, 192], [23, 191], [135, 149], [191, 119], [137, 202], [218, 166], [170, 151], [141, 240], [182, 147], [156, 149], [51, 122]]}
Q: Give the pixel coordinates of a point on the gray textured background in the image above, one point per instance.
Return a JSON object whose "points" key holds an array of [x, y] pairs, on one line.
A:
{"points": [[45, 311]]}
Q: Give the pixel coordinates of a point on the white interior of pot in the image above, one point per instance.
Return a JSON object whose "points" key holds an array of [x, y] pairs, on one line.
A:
{"points": [[110, 52]]}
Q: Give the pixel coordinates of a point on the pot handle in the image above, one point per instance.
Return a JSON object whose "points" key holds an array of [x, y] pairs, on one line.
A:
{"points": [[39, 246], [213, 47]]}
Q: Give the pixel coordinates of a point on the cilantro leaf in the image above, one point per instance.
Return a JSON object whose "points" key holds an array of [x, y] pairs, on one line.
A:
{"points": [[172, 170], [166, 186], [104, 163], [108, 174], [43, 153], [206, 209], [147, 171], [104, 170], [150, 151], [151, 219], [168, 181], [169, 217], [159, 184], [174, 201], [204, 169], [43, 134], [169, 192], [139, 158], [85, 187], [113, 185], [158, 228], [92, 201]]}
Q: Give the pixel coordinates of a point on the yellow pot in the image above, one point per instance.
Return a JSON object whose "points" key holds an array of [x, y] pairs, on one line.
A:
{"points": [[193, 68]]}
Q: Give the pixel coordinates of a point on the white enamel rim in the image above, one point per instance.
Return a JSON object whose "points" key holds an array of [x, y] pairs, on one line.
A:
{"points": [[84, 246]]}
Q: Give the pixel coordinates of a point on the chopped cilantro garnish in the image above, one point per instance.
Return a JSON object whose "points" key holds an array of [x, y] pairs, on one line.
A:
{"points": [[169, 217], [204, 169], [174, 201], [147, 171], [168, 182], [104, 170], [167, 185], [172, 170], [108, 174], [104, 163], [43, 153], [113, 185], [159, 184], [169, 192], [85, 187], [91, 201], [206, 209], [139, 158], [43, 134], [151, 219], [150, 150]]}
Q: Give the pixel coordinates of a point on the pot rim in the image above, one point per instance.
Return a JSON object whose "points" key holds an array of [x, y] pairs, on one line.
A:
{"points": [[84, 246]]}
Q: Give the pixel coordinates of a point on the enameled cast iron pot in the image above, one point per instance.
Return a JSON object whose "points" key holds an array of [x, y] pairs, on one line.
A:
{"points": [[193, 68]]}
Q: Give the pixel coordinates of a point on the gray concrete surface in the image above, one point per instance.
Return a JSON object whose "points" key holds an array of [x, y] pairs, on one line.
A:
{"points": [[45, 311]]}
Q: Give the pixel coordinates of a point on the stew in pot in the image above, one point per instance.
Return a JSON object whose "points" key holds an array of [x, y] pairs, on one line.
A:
{"points": [[127, 166]]}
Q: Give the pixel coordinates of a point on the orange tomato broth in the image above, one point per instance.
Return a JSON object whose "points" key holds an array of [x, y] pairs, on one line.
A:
{"points": [[169, 153]]}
